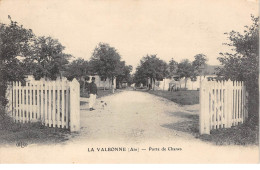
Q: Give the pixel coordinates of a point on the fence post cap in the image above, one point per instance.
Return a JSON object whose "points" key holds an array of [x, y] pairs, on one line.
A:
{"points": [[74, 81]]}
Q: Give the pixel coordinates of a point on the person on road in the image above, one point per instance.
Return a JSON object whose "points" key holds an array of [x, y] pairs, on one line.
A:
{"points": [[92, 94]]}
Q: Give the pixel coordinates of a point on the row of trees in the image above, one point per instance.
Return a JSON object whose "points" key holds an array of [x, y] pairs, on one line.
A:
{"points": [[156, 69], [105, 61], [242, 64], [24, 53]]}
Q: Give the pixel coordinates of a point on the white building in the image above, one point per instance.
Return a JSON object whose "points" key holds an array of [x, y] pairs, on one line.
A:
{"points": [[167, 84], [107, 84]]}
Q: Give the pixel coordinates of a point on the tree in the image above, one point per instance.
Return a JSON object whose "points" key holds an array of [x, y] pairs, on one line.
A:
{"points": [[153, 68], [243, 63], [140, 77], [105, 61], [78, 69], [199, 63], [47, 58], [185, 70], [14, 43], [125, 74], [173, 65]]}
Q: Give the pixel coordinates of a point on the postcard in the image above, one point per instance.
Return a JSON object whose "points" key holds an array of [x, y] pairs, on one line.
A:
{"points": [[129, 82]]}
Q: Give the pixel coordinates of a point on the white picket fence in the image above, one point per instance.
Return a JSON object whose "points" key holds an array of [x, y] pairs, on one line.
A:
{"points": [[222, 104], [54, 103]]}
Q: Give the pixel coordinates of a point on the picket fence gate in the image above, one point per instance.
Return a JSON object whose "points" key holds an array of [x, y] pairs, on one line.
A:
{"points": [[53, 103], [222, 104]]}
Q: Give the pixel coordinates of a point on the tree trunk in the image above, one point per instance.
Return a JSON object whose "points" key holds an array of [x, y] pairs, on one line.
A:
{"points": [[153, 84], [113, 90], [84, 85], [104, 85], [185, 82]]}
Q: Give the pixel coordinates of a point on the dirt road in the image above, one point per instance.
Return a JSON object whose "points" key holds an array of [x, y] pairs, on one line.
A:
{"points": [[138, 121], [133, 117]]}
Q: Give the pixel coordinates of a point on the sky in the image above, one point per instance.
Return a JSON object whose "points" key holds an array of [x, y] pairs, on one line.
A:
{"points": [[175, 29]]}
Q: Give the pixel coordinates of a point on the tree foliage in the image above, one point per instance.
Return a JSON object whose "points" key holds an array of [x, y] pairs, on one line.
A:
{"points": [[22, 52], [78, 69], [199, 63], [124, 75], [173, 66], [14, 42], [243, 63], [106, 62], [47, 58], [185, 69], [151, 67]]}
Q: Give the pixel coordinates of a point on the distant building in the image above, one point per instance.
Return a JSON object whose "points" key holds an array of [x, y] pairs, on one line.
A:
{"points": [[175, 83], [102, 83]]}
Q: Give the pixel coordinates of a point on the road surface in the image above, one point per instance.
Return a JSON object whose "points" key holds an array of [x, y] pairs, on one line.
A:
{"points": [[138, 121], [133, 117]]}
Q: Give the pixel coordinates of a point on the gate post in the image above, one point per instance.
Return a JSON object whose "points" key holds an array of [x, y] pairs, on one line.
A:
{"points": [[204, 119], [74, 106]]}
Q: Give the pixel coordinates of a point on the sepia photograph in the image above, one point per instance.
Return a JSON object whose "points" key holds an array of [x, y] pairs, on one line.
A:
{"points": [[129, 82]]}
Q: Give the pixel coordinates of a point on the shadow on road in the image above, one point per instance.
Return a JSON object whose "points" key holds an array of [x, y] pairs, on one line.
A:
{"points": [[190, 124]]}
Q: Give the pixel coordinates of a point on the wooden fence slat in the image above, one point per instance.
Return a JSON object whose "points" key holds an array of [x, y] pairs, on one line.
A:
{"points": [[63, 104], [10, 100], [30, 101], [58, 102], [37, 109], [15, 106], [236, 120], [233, 105], [210, 104], [23, 104], [14, 99], [46, 103], [20, 102], [238, 104], [34, 101], [221, 104], [67, 105], [224, 102], [217, 104], [50, 102], [242, 103], [53, 104], [41, 102], [26, 100]]}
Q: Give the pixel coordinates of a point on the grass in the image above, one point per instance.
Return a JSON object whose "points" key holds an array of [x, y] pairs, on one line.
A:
{"points": [[188, 97], [244, 134], [12, 133]]}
